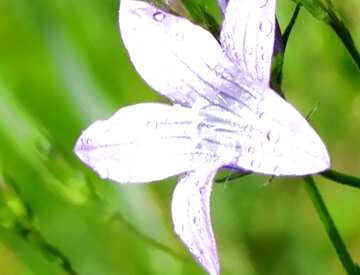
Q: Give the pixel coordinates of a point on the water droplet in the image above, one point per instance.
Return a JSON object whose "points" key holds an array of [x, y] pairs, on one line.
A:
{"points": [[249, 51], [85, 143], [255, 164], [238, 56], [219, 69], [202, 190], [275, 170], [223, 72], [158, 16], [260, 75], [263, 57], [182, 229], [200, 259], [227, 75], [179, 36], [196, 220], [262, 3], [266, 27], [152, 124], [273, 136], [251, 150]]}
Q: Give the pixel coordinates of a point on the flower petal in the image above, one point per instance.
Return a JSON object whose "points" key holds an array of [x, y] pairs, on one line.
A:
{"points": [[191, 217], [247, 36], [175, 57], [222, 4], [278, 43], [272, 139], [142, 143], [283, 142]]}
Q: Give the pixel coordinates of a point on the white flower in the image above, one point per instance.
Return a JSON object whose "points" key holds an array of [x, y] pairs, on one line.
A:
{"points": [[224, 115]]}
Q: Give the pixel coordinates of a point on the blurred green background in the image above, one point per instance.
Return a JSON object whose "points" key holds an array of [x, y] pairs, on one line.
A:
{"points": [[63, 66]]}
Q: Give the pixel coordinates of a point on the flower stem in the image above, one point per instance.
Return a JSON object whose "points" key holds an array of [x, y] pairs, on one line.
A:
{"points": [[330, 227], [117, 216], [341, 178], [344, 35], [289, 27]]}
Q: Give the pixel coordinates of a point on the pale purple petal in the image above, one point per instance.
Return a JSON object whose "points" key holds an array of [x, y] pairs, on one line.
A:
{"points": [[280, 141], [278, 45], [177, 58], [247, 36], [272, 138], [191, 217], [142, 143], [278, 48], [222, 4]]}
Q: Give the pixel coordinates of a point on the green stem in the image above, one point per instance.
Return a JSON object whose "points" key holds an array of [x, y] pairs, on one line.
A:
{"points": [[330, 227], [289, 28], [278, 59], [344, 34], [231, 177], [341, 178], [117, 216]]}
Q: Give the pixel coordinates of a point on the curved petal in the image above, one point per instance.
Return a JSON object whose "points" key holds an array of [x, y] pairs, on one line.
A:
{"points": [[278, 43], [222, 5], [191, 217], [272, 139], [283, 141], [142, 143], [247, 36], [180, 60]]}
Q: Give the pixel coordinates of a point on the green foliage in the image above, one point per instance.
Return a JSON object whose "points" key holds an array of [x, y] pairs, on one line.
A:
{"points": [[317, 8], [325, 11]]}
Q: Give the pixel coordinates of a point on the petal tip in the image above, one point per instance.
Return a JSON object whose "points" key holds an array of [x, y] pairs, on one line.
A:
{"points": [[324, 162], [318, 156], [191, 217], [80, 147]]}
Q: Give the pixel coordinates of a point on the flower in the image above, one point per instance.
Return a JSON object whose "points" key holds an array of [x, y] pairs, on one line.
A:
{"points": [[224, 115]]}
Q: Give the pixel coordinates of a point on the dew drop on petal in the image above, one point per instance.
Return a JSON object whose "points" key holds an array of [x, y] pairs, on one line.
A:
{"points": [[238, 56], [152, 124], [273, 136], [250, 51], [179, 36], [195, 220], [275, 170], [227, 75], [200, 260], [85, 140], [262, 3], [260, 76], [84, 143], [158, 16], [251, 150], [266, 27], [263, 57], [219, 69], [255, 164]]}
